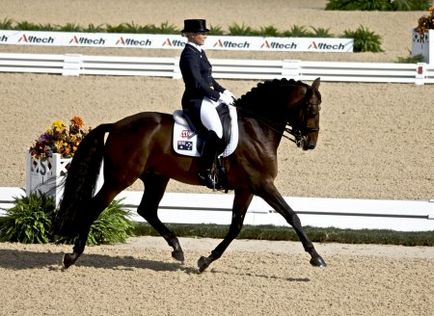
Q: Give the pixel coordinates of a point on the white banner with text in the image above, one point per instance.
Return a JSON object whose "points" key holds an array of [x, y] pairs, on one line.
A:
{"points": [[162, 41]]}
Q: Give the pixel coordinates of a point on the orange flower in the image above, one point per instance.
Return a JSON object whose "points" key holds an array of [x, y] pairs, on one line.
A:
{"points": [[77, 121]]}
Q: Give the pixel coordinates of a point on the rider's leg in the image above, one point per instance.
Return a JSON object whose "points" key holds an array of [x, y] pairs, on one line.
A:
{"points": [[211, 120]]}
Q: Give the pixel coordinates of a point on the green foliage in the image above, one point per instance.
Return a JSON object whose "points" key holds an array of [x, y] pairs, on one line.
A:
{"points": [[270, 31], [269, 232], [30, 221], [365, 40], [111, 227], [410, 59], [215, 30], [7, 24], [240, 30], [322, 32], [378, 5], [166, 28], [298, 31]]}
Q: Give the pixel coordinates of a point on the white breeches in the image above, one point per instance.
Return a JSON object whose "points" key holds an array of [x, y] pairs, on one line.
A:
{"points": [[209, 116]]}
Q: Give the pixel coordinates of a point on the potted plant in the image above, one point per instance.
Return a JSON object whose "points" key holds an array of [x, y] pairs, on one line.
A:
{"points": [[421, 37], [49, 156]]}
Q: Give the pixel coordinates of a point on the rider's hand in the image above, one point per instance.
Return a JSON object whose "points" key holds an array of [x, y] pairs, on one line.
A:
{"points": [[229, 94], [226, 98]]}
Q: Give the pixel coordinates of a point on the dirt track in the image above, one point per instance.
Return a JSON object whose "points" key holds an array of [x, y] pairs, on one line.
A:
{"points": [[376, 141], [252, 278]]}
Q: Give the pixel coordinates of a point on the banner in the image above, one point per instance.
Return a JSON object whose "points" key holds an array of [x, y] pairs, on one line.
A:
{"points": [[161, 41]]}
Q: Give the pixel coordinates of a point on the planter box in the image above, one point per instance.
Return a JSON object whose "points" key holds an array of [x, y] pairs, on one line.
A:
{"points": [[421, 46], [48, 176]]}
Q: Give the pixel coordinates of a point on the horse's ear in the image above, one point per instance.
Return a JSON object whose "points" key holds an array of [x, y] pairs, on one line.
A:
{"points": [[315, 84]]}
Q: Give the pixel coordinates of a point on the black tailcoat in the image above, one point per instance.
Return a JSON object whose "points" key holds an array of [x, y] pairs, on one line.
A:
{"points": [[196, 72]]}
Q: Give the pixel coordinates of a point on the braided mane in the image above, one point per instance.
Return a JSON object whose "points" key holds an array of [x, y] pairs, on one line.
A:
{"points": [[268, 98]]}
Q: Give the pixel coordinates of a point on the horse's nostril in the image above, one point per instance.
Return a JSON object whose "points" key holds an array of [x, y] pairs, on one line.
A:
{"points": [[310, 146]]}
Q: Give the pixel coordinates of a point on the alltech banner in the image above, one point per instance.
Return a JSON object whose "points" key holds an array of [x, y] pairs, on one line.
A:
{"points": [[241, 43]]}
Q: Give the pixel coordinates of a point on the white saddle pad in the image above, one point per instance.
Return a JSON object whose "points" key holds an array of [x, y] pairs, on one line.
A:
{"points": [[185, 140]]}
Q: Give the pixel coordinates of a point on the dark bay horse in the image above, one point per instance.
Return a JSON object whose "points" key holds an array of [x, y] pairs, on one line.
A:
{"points": [[140, 146]]}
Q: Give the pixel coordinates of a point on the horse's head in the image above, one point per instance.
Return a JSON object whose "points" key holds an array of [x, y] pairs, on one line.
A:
{"points": [[305, 122]]}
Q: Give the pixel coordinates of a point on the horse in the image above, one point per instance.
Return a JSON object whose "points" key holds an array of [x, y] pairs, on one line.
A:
{"points": [[140, 147]]}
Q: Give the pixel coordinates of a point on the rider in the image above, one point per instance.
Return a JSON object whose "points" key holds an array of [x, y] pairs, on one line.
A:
{"points": [[202, 94]]}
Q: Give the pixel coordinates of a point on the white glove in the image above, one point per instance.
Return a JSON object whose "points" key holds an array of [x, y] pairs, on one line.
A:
{"points": [[226, 98], [229, 93]]}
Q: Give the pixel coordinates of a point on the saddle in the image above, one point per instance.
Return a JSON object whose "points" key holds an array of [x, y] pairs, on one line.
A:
{"points": [[187, 141]]}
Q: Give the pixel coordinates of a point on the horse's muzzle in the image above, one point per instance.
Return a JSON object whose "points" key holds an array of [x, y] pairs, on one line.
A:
{"points": [[305, 143]]}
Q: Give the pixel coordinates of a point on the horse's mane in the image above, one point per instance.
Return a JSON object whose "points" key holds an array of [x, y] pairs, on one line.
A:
{"points": [[266, 98]]}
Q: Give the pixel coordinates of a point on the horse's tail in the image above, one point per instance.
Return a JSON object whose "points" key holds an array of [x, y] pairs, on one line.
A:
{"points": [[80, 182]]}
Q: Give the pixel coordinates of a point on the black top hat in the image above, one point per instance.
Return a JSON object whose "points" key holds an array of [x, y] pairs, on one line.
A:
{"points": [[195, 26]]}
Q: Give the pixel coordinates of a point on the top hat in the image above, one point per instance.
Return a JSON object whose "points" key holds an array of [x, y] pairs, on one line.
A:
{"points": [[194, 26]]}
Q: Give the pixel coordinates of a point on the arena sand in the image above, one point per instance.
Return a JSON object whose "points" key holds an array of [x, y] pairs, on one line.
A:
{"points": [[376, 141]]}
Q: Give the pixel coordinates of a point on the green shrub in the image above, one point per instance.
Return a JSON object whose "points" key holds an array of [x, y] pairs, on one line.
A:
{"points": [[322, 32], [298, 31], [215, 30], [410, 59], [378, 5], [30, 221], [240, 30], [365, 40]]}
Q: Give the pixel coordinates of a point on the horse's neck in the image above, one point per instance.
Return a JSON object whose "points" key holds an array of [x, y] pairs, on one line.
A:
{"points": [[268, 134]]}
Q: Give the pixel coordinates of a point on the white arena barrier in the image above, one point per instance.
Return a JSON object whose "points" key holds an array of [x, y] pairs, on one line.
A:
{"points": [[77, 65]]}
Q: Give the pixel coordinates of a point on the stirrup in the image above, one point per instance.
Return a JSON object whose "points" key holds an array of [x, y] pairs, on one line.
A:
{"points": [[207, 179]]}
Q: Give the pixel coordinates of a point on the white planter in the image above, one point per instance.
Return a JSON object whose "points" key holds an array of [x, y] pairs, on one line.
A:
{"points": [[48, 176], [421, 45]]}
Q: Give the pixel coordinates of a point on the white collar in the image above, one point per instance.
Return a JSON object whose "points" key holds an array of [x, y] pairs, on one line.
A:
{"points": [[198, 47]]}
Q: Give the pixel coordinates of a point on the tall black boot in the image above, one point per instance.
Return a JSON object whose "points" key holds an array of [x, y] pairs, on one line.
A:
{"points": [[209, 153]]}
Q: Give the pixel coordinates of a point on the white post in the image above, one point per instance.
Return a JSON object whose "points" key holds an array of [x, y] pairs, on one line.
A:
{"points": [[71, 65], [291, 69]]}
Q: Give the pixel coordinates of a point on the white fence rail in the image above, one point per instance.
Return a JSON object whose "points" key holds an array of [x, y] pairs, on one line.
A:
{"points": [[75, 65], [183, 208]]}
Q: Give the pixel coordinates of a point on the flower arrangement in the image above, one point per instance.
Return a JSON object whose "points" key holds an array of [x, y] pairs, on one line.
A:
{"points": [[426, 22], [59, 139]]}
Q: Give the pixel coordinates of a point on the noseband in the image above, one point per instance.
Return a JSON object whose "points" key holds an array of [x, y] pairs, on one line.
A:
{"points": [[300, 131]]}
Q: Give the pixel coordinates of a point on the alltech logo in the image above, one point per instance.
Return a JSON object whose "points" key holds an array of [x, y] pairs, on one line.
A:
{"points": [[80, 40], [3, 39], [30, 39], [173, 43], [278, 45], [324, 46], [231, 44], [130, 42]]}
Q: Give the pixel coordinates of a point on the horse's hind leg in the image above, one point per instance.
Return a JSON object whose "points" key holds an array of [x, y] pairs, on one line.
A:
{"points": [[96, 205], [241, 203], [155, 186]]}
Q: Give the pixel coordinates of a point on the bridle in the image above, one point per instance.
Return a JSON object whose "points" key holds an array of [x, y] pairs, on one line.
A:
{"points": [[300, 130]]}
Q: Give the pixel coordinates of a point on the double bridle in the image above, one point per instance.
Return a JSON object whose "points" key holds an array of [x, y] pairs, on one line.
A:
{"points": [[300, 131]]}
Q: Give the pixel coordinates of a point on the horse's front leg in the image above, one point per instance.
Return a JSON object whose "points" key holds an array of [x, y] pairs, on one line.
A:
{"points": [[272, 196], [241, 203]]}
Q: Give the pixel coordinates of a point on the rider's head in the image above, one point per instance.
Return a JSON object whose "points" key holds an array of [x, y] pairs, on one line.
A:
{"points": [[195, 30]]}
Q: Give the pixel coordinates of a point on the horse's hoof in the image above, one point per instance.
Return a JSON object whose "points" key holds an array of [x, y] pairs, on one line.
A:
{"points": [[318, 262], [67, 261], [178, 255], [203, 263]]}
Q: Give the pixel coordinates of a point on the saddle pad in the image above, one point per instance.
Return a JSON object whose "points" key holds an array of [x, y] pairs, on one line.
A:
{"points": [[185, 140]]}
